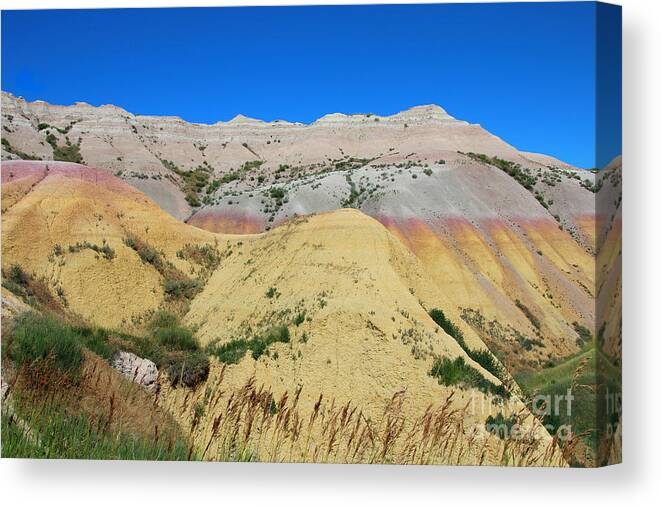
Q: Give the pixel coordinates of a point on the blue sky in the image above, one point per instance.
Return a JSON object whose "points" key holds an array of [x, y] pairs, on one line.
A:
{"points": [[523, 71]]}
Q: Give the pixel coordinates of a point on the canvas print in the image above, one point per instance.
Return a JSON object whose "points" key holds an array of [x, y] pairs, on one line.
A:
{"points": [[324, 234]]}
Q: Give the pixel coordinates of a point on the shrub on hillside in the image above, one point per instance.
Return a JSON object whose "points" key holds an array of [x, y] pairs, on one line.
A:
{"points": [[457, 372], [233, 351], [584, 334], [529, 315], [482, 357], [188, 369]]}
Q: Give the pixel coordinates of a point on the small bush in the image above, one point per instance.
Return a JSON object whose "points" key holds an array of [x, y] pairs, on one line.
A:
{"points": [[584, 334], [17, 275], [146, 253], [299, 319], [36, 338], [96, 339], [272, 292], [482, 357], [178, 288], [449, 327], [163, 318], [277, 193], [259, 344], [456, 372], [231, 352], [529, 315], [188, 369]]}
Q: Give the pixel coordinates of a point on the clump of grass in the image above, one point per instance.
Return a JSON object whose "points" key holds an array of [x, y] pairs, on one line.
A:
{"points": [[17, 276], [584, 334], [529, 315], [146, 252], [65, 436], [447, 325], [233, 351], [260, 343], [523, 176], [34, 291], [176, 285], [482, 357], [299, 319], [37, 340], [207, 255], [272, 292], [175, 348], [457, 372], [189, 369], [105, 250], [176, 338]]}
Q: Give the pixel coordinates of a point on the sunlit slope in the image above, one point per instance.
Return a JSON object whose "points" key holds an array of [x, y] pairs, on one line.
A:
{"points": [[359, 292], [489, 245], [356, 302], [354, 298], [60, 226]]}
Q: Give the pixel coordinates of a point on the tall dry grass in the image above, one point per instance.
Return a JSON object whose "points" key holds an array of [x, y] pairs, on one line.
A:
{"points": [[252, 424]]}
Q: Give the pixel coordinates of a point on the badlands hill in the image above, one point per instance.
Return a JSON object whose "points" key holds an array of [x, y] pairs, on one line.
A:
{"points": [[354, 297], [506, 237]]}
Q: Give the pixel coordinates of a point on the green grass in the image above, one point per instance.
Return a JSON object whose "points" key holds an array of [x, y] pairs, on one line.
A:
{"points": [[175, 348], [233, 351], [584, 334], [482, 357], [36, 338], [176, 285], [63, 436], [457, 372], [597, 374], [523, 176], [176, 338]]}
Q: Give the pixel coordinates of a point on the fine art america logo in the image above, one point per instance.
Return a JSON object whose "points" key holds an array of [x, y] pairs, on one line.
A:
{"points": [[554, 411]]}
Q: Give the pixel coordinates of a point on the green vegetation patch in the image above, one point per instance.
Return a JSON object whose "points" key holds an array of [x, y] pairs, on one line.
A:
{"points": [[482, 357], [176, 285], [451, 372], [38, 340], [66, 436], [233, 351], [521, 175], [34, 291], [584, 334], [104, 250], [15, 151], [529, 315]]}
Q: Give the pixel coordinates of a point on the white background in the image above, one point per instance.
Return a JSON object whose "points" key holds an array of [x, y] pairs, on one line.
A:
{"points": [[637, 481]]}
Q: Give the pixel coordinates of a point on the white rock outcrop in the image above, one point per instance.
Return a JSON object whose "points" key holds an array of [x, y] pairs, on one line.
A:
{"points": [[139, 370]]}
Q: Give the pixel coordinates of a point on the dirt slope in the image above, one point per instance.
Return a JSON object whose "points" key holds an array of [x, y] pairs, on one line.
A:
{"points": [[365, 332]]}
